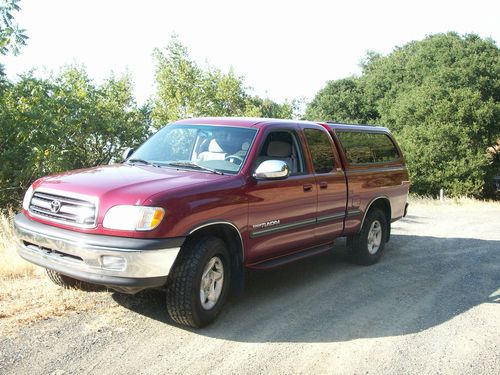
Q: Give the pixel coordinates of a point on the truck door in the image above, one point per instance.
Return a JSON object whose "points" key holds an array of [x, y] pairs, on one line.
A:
{"points": [[282, 213], [331, 184]]}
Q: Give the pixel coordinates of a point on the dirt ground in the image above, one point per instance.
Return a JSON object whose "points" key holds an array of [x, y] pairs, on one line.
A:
{"points": [[432, 305]]}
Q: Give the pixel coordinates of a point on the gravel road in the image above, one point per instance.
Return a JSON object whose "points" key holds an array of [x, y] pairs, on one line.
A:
{"points": [[432, 305]]}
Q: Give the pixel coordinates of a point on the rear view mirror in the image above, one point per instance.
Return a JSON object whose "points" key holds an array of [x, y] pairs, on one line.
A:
{"points": [[127, 153], [272, 170]]}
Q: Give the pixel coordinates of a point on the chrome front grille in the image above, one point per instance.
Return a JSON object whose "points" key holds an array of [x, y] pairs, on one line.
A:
{"points": [[65, 208]]}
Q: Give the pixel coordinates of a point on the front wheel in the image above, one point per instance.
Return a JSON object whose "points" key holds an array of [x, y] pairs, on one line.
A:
{"points": [[199, 282], [367, 246]]}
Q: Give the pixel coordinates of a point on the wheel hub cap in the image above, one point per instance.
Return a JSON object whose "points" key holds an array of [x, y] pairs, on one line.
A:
{"points": [[374, 237], [212, 281]]}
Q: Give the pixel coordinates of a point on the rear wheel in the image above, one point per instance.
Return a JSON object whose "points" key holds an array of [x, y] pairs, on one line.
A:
{"points": [[367, 246], [69, 283], [199, 282]]}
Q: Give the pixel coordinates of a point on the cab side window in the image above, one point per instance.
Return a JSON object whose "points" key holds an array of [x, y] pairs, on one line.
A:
{"points": [[284, 146], [321, 150]]}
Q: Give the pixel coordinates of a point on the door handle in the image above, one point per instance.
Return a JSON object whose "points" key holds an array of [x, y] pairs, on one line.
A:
{"points": [[323, 185], [308, 187]]}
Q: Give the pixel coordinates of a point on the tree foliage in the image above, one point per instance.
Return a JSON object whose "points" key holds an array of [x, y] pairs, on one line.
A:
{"points": [[342, 100], [11, 36], [440, 96], [62, 123], [184, 89], [67, 122]]}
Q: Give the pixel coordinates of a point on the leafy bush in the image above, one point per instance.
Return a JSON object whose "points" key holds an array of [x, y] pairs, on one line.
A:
{"points": [[440, 97], [185, 90], [61, 123]]}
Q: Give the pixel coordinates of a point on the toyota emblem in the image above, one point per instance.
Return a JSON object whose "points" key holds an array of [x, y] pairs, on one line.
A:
{"points": [[55, 206]]}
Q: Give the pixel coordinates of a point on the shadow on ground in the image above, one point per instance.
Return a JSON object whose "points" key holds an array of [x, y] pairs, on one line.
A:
{"points": [[421, 282]]}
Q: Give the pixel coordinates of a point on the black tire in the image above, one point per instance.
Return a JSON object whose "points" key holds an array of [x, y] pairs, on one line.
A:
{"points": [[69, 283], [358, 245], [183, 286]]}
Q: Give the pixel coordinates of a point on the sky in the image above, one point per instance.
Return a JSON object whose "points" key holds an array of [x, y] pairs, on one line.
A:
{"points": [[284, 49]]}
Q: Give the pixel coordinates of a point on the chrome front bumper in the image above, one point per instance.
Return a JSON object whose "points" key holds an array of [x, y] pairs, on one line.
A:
{"points": [[119, 262]]}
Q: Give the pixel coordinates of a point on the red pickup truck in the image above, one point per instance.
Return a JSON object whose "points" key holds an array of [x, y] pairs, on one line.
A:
{"points": [[204, 199]]}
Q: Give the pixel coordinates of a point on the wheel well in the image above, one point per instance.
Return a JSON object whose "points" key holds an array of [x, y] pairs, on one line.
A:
{"points": [[384, 205], [232, 238]]}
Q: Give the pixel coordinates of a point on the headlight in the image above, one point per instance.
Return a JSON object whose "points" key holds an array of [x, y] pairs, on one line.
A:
{"points": [[133, 217], [27, 198]]}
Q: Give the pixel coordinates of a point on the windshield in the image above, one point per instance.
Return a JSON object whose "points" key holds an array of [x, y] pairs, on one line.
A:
{"points": [[200, 147]]}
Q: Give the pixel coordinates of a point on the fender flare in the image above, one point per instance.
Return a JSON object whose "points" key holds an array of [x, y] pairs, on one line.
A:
{"points": [[368, 207], [221, 222]]}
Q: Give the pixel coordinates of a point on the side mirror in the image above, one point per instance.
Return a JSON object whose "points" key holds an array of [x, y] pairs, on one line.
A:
{"points": [[127, 153], [272, 170]]}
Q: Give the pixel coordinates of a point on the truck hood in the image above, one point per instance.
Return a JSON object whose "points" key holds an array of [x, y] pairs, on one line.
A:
{"points": [[123, 183]]}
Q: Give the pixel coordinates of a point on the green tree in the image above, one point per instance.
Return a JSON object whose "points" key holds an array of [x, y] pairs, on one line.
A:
{"points": [[184, 90], [440, 96], [258, 107], [11, 36], [61, 123], [178, 83], [341, 101]]}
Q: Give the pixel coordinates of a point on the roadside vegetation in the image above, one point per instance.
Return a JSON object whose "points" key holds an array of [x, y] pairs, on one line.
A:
{"points": [[452, 202], [26, 295], [34, 298], [11, 265], [439, 96]]}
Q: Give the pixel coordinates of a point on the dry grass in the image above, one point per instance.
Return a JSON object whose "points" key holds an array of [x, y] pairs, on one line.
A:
{"points": [[26, 295], [11, 264], [24, 301], [451, 201]]}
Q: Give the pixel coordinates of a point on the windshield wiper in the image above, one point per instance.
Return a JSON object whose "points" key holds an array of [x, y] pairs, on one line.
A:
{"points": [[142, 161], [192, 164]]}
